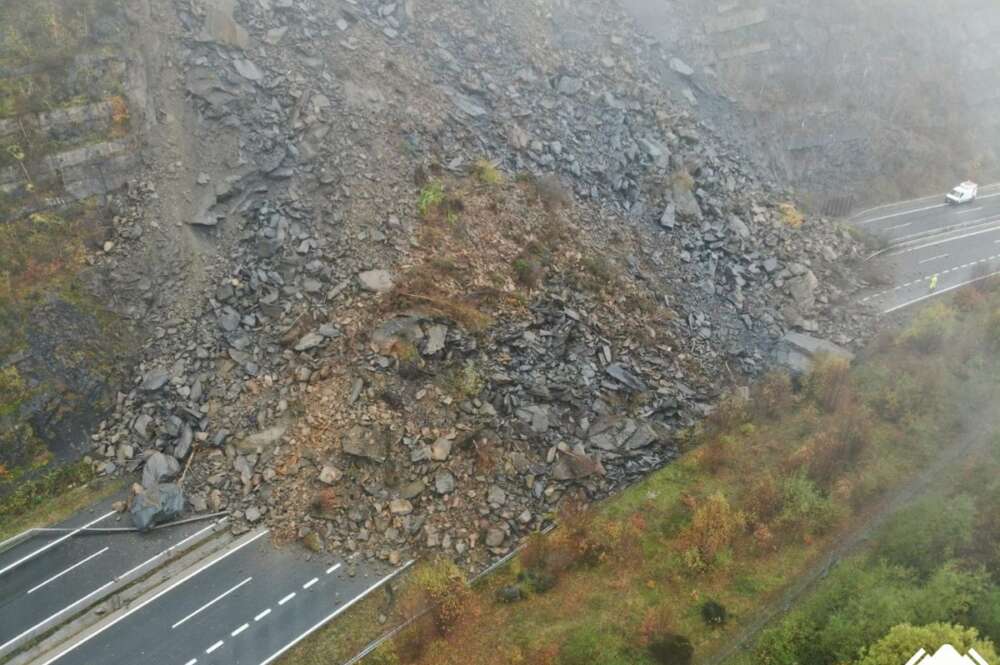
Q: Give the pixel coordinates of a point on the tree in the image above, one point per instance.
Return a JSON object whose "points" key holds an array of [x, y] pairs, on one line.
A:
{"points": [[929, 532], [904, 640]]}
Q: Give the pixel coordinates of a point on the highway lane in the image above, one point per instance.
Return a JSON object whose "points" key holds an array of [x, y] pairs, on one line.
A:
{"points": [[52, 576], [244, 606], [957, 258], [920, 218]]}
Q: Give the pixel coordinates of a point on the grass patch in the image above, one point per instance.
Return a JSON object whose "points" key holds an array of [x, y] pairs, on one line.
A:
{"points": [[51, 498]]}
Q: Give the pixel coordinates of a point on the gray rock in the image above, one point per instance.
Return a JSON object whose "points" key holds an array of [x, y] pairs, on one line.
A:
{"points": [[247, 69], [436, 336], [440, 449], [623, 375], [537, 417], [378, 281], [183, 445], [796, 351], [496, 495], [668, 219], [330, 474], [643, 436], [367, 443], [803, 289], [154, 380], [495, 537], [252, 514], [737, 226], [681, 67], [412, 489], [155, 505], [687, 205], [159, 468], [309, 341], [400, 507], [141, 425], [444, 482], [569, 85]]}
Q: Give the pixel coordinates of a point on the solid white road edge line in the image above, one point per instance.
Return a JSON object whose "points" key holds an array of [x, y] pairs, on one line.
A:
{"points": [[915, 210], [211, 602], [170, 588], [929, 197], [53, 616], [45, 548], [944, 240], [277, 654], [75, 565], [937, 293]]}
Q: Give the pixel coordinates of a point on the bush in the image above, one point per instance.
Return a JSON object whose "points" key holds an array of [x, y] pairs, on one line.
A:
{"points": [[929, 328], [713, 613], [713, 528], [804, 506], [929, 532], [672, 650], [829, 383], [904, 640], [774, 396]]}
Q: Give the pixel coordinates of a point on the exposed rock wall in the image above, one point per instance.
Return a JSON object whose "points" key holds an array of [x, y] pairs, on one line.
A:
{"points": [[849, 101]]}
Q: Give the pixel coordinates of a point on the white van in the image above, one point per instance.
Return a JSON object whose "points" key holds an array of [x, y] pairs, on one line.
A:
{"points": [[964, 193]]}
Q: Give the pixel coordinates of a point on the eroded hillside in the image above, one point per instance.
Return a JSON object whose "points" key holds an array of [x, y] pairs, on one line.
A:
{"points": [[408, 274]]}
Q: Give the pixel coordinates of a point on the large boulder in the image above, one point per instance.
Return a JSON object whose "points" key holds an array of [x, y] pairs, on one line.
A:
{"points": [[157, 504], [159, 468], [797, 351]]}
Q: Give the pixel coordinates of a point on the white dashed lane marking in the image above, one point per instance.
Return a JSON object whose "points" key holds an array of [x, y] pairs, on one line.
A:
{"points": [[286, 598], [262, 614], [310, 583], [214, 646]]}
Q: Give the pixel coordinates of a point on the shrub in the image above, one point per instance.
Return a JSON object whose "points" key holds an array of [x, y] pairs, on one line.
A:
{"points": [[804, 506], [774, 395], [486, 172], [828, 384], [929, 532], [672, 650], [764, 499], [440, 590], [714, 526], [431, 196], [713, 613], [791, 215], [929, 328]]}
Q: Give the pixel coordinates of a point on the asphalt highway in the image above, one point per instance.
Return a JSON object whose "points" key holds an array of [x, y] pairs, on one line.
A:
{"points": [[246, 605], [54, 576], [958, 244]]}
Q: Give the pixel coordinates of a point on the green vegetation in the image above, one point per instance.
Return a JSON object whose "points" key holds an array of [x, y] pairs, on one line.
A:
{"points": [[49, 498], [486, 172], [675, 567], [430, 198]]}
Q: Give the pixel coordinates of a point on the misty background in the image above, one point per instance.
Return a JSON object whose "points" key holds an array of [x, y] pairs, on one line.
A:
{"points": [[849, 101]]}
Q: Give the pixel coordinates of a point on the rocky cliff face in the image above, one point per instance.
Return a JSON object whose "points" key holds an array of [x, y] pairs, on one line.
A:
{"points": [[407, 275], [850, 102], [66, 145]]}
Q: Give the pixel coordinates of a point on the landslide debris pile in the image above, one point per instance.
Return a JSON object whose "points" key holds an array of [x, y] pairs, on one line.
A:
{"points": [[463, 261]]}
